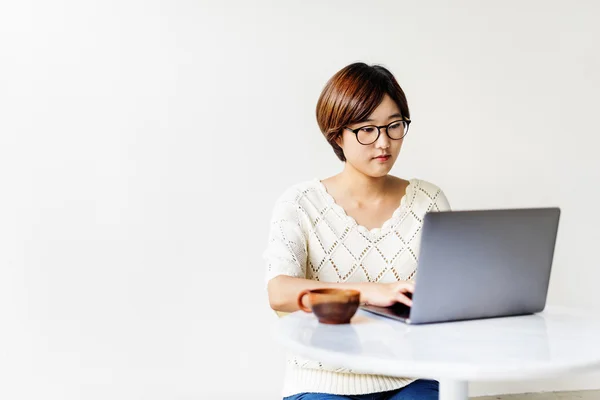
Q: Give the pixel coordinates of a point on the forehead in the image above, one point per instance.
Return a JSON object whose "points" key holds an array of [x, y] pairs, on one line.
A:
{"points": [[385, 109]]}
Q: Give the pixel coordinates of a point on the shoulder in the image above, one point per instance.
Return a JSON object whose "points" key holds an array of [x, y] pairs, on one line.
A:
{"points": [[427, 194], [297, 192], [428, 188], [306, 198]]}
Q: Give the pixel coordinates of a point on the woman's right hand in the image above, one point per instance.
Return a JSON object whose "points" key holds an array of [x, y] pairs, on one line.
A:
{"points": [[386, 294]]}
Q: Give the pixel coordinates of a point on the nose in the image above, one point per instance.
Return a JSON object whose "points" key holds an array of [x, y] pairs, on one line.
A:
{"points": [[383, 141]]}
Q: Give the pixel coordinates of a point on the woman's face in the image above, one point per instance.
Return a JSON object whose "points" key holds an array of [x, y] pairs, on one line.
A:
{"points": [[367, 158]]}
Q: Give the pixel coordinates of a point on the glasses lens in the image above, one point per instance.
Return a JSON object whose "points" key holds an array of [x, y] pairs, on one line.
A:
{"points": [[397, 129], [367, 134]]}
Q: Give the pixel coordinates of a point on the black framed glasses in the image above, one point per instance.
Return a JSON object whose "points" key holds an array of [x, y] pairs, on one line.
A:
{"points": [[369, 134]]}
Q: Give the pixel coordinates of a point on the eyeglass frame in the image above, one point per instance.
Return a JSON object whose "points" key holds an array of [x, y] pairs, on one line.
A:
{"points": [[379, 128]]}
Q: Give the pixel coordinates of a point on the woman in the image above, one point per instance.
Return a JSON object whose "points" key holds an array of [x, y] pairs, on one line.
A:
{"points": [[359, 229]]}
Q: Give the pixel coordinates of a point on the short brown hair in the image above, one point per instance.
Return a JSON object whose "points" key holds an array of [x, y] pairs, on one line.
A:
{"points": [[351, 95]]}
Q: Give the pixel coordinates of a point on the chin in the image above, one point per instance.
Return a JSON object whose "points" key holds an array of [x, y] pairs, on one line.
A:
{"points": [[379, 174], [376, 174]]}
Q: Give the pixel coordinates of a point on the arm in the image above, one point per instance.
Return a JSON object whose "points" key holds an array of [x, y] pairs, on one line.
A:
{"points": [[284, 291], [286, 259]]}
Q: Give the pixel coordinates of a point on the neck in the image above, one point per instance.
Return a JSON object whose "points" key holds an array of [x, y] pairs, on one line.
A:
{"points": [[362, 187]]}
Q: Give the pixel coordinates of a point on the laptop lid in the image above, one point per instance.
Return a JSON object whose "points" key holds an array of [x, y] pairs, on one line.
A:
{"points": [[481, 264]]}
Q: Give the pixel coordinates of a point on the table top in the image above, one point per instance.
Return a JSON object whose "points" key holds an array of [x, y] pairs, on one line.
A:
{"points": [[551, 343]]}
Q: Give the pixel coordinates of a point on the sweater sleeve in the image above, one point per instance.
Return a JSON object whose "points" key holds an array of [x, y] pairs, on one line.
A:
{"points": [[286, 252], [441, 202], [432, 197]]}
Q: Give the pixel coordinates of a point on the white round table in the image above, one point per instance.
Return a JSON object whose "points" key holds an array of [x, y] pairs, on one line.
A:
{"points": [[552, 343]]}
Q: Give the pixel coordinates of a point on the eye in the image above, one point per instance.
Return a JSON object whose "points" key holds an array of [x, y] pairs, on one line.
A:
{"points": [[368, 129], [396, 125]]}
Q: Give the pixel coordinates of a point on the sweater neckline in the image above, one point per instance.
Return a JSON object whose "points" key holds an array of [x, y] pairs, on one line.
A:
{"points": [[384, 227]]}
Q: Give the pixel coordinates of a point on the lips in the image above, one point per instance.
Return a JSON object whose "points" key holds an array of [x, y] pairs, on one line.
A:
{"points": [[383, 157]]}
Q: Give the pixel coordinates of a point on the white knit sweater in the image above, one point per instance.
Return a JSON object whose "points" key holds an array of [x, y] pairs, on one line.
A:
{"points": [[312, 237]]}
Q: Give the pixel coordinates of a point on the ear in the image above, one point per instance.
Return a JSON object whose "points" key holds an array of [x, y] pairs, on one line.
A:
{"points": [[340, 141]]}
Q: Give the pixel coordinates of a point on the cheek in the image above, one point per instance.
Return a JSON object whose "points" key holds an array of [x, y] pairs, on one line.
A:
{"points": [[397, 146], [352, 149], [355, 151]]}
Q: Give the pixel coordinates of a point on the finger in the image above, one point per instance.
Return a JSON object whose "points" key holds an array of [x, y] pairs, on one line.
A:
{"points": [[410, 287], [402, 298], [406, 287]]}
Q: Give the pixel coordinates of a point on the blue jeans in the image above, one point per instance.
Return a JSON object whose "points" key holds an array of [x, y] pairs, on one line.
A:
{"points": [[418, 390]]}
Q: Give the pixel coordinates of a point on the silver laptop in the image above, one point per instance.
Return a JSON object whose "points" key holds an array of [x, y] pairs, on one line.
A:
{"points": [[480, 264]]}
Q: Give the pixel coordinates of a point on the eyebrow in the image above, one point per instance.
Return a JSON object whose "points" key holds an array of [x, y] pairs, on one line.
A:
{"points": [[397, 115]]}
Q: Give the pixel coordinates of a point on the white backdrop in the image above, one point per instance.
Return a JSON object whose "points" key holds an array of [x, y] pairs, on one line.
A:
{"points": [[143, 143]]}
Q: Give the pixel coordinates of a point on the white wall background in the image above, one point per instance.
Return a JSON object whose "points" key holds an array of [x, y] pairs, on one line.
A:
{"points": [[143, 143]]}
